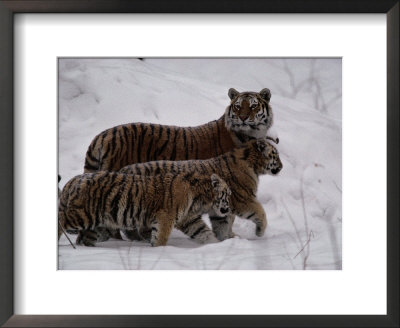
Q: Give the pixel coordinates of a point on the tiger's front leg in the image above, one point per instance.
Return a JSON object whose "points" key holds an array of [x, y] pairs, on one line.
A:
{"points": [[196, 229], [255, 212], [222, 226], [161, 229]]}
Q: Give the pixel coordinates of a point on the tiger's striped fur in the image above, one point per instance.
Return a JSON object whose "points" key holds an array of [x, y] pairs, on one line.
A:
{"points": [[248, 116], [240, 169], [115, 200]]}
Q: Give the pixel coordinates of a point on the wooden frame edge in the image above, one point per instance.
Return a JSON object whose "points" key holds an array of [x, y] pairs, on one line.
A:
{"points": [[6, 164]]}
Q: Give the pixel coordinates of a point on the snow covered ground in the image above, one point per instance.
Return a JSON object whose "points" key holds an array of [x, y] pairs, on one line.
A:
{"points": [[303, 204]]}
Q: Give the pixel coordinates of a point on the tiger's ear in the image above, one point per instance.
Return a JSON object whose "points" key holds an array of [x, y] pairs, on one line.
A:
{"points": [[215, 180], [266, 94], [260, 145], [232, 93]]}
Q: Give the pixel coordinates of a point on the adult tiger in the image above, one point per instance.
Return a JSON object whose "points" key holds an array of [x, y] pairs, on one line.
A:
{"points": [[248, 116]]}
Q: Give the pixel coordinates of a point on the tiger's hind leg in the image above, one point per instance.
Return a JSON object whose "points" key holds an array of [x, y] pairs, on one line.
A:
{"points": [[103, 234], [87, 238], [196, 229], [114, 233], [222, 226]]}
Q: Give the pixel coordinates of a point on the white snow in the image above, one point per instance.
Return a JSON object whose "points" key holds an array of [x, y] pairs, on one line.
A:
{"points": [[303, 204]]}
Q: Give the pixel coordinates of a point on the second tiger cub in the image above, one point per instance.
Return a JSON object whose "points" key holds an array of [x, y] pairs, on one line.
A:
{"points": [[157, 203]]}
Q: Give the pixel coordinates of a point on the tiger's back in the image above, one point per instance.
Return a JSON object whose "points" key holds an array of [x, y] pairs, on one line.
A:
{"points": [[132, 143]]}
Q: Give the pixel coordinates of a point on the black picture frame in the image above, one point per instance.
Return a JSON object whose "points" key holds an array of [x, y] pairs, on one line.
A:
{"points": [[11, 7]]}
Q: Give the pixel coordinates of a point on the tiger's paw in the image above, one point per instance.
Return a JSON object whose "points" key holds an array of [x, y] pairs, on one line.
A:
{"points": [[260, 231], [85, 239]]}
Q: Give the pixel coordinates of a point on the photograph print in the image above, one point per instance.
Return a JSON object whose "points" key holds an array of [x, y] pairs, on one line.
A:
{"points": [[200, 164]]}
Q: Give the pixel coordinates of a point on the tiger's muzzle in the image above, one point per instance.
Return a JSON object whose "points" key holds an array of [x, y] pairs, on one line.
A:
{"points": [[276, 171], [277, 167]]}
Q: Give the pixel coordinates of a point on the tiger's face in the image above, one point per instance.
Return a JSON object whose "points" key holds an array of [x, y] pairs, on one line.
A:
{"points": [[222, 195], [267, 159], [249, 113]]}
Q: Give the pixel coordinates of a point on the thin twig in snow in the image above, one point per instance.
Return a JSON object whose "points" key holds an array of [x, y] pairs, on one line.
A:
{"points": [[293, 223], [307, 253], [311, 234], [338, 188], [288, 256]]}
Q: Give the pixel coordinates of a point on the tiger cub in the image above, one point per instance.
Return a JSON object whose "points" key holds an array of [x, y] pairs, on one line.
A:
{"points": [[146, 203], [248, 116], [240, 169]]}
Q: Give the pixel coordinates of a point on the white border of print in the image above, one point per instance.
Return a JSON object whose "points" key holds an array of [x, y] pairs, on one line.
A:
{"points": [[360, 288]]}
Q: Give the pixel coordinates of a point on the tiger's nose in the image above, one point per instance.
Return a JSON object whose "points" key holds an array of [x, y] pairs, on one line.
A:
{"points": [[224, 210], [243, 117], [276, 170]]}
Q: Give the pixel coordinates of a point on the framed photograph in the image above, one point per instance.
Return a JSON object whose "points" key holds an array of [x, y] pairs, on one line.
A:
{"points": [[93, 106], [292, 241]]}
